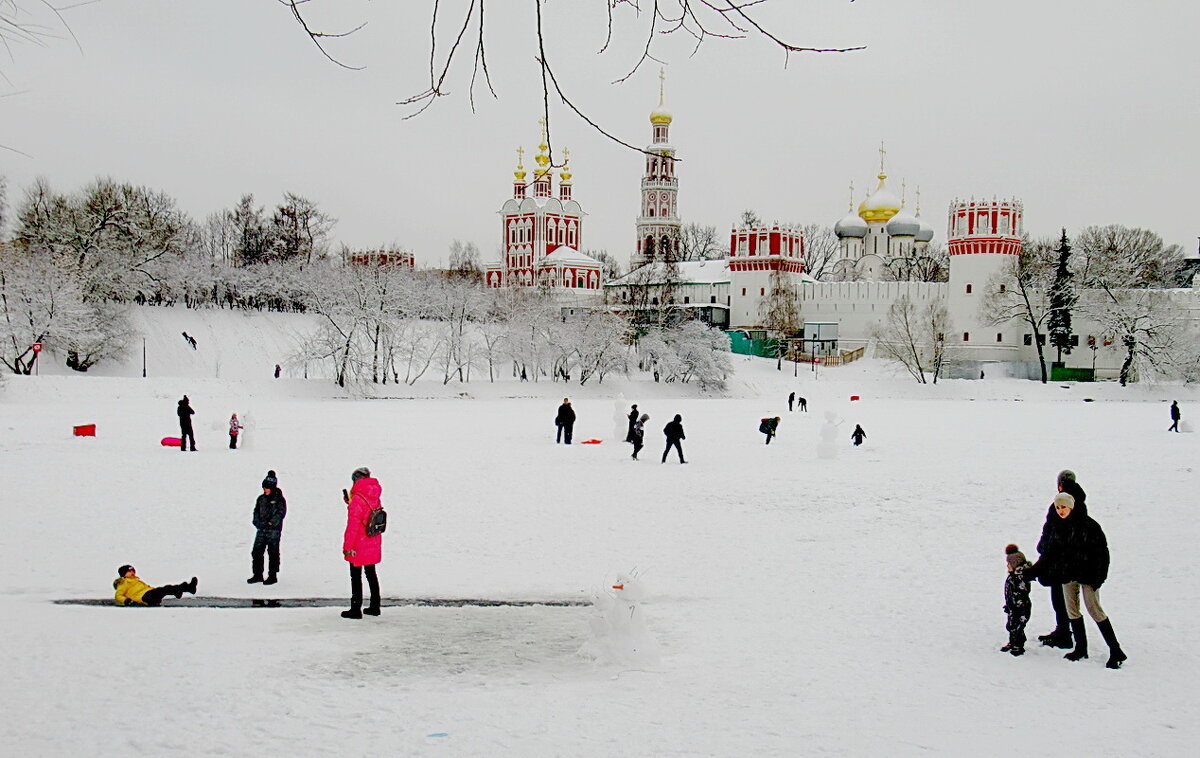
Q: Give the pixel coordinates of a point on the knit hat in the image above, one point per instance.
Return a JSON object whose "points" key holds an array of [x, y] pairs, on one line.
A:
{"points": [[271, 481], [1015, 556], [121, 571], [1064, 498], [362, 472], [1066, 475]]}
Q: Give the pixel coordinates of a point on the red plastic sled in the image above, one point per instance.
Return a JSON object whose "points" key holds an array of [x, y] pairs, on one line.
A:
{"points": [[591, 442], [85, 430], [170, 442]]}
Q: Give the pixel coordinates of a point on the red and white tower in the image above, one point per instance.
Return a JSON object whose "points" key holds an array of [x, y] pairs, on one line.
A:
{"points": [[984, 236], [658, 226]]}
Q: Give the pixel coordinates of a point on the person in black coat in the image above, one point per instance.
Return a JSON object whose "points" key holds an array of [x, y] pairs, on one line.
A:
{"points": [[565, 421], [1175, 416], [1077, 551], [185, 412], [1050, 574], [858, 435], [269, 512], [674, 435], [639, 434], [633, 419]]}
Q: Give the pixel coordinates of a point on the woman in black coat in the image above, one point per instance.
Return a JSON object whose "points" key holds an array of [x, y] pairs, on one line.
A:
{"points": [[1061, 636], [1075, 551]]}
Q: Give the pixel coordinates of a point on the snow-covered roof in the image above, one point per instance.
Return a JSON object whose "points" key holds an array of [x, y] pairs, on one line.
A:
{"points": [[565, 254], [690, 272]]}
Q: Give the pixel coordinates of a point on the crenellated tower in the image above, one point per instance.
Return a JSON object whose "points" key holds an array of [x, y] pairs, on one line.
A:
{"points": [[658, 225], [983, 237]]}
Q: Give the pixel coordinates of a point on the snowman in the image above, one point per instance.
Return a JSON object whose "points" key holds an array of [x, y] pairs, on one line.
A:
{"points": [[827, 446], [619, 633]]}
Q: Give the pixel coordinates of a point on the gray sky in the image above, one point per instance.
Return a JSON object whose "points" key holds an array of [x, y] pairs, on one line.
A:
{"points": [[1087, 111]]}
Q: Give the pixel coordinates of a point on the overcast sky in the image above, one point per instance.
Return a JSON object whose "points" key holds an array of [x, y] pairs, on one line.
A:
{"points": [[1088, 111]]}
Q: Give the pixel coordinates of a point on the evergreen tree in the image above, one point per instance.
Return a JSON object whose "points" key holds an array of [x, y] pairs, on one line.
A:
{"points": [[1062, 300]]}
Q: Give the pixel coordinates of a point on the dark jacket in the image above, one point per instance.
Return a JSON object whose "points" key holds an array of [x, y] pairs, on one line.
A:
{"points": [[768, 426], [1175, 411], [270, 510], [184, 411], [858, 434], [566, 415], [633, 417], [1046, 570], [1016, 592], [1075, 550], [674, 430]]}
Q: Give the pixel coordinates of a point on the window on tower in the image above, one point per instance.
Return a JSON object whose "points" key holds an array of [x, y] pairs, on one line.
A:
{"points": [[966, 336]]}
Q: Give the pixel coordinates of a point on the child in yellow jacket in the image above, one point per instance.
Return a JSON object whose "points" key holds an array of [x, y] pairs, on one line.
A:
{"points": [[131, 590]]}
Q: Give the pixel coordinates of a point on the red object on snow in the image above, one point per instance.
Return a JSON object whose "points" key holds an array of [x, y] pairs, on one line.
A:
{"points": [[170, 442], [854, 397], [591, 442], [85, 430]]}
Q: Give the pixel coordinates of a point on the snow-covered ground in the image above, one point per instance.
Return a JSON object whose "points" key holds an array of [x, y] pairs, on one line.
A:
{"points": [[799, 605]]}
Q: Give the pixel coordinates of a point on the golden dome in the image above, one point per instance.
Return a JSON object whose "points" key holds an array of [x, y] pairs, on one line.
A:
{"points": [[660, 116], [881, 205]]}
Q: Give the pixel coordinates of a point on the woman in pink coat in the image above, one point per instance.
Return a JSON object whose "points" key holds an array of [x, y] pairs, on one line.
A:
{"points": [[359, 549]]}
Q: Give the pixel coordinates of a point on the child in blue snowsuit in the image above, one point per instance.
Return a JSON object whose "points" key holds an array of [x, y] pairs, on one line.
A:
{"points": [[1016, 600]]}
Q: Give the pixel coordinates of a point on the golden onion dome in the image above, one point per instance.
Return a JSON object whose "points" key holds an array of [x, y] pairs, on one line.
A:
{"points": [[881, 205]]}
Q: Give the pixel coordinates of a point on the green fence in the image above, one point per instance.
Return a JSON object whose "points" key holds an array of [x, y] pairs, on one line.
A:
{"points": [[1060, 373], [742, 344]]}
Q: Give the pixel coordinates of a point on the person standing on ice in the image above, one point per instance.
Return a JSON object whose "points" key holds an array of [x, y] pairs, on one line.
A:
{"points": [[269, 511], [131, 590], [565, 421], [1080, 549], [1016, 600], [791, 401], [358, 548], [633, 418], [235, 427], [638, 434], [769, 427], [858, 435], [674, 434], [803, 404], [1050, 574], [1175, 416], [185, 412]]}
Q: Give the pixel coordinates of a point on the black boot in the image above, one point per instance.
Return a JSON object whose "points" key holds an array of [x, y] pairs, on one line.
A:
{"points": [[1080, 651], [355, 612], [1060, 638], [255, 579], [1116, 656], [371, 610], [271, 579]]}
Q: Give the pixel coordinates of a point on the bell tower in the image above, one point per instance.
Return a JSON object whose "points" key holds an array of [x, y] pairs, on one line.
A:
{"points": [[658, 224]]}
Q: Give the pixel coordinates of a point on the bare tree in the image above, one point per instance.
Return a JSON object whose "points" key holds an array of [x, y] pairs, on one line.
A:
{"points": [[461, 41], [779, 312], [610, 267], [700, 243], [1114, 256], [1021, 292], [821, 249], [915, 337], [465, 262]]}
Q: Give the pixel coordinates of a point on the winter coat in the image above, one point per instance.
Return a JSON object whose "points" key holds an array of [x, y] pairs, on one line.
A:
{"points": [[858, 434], [184, 411], [270, 510], [1016, 591], [235, 426], [1175, 416], [674, 431], [633, 417], [130, 588], [1046, 569], [768, 426], [566, 415], [364, 498], [1076, 550]]}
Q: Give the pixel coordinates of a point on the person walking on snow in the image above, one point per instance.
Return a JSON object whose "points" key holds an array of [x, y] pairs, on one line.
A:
{"points": [[633, 417], [674, 434], [185, 412], [1175, 416], [131, 590], [235, 427], [358, 548], [858, 435], [1016, 600], [269, 512], [278, 368], [1050, 574], [1080, 550], [791, 400], [638, 434], [565, 421], [769, 426]]}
